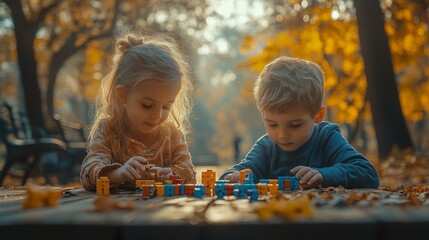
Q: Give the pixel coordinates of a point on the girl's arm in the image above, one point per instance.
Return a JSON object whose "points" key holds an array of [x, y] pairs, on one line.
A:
{"points": [[181, 159], [97, 160]]}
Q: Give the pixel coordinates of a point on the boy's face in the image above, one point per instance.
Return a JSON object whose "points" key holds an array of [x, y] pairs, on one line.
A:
{"points": [[291, 129]]}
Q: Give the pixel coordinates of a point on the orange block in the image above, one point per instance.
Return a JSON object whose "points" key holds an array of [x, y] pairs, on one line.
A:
{"points": [[262, 188]]}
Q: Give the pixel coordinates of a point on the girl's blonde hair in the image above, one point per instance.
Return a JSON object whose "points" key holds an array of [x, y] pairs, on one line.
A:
{"points": [[138, 59], [287, 81]]}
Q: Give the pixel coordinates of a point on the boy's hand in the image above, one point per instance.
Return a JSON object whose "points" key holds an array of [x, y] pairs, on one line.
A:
{"points": [[234, 177], [310, 178], [161, 174], [133, 169]]}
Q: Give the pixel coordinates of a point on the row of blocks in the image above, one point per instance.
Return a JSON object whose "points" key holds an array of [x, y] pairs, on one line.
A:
{"points": [[222, 189], [219, 188]]}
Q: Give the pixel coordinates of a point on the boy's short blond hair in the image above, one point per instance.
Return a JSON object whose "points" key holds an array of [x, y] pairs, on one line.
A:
{"points": [[288, 81]]}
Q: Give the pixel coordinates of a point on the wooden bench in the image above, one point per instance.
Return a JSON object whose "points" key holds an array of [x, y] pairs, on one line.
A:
{"points": [[21, 146], [73, 134]]}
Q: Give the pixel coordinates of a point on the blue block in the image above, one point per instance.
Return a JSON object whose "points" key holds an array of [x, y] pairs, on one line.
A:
{"points": [[293, 182], [182, 189], [266, 181], [240, 191], [253, 193], [248, 181], [168, 190], [222, 181], [220, 190], [249, 186], [199, 191]]}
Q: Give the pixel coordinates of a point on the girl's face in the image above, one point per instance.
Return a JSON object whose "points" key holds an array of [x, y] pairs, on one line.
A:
{"points": [[148, 106], [292, 129]]}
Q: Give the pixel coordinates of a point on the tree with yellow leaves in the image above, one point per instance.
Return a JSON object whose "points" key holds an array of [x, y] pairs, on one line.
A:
{"points": [[326, 32], [49, 32]]}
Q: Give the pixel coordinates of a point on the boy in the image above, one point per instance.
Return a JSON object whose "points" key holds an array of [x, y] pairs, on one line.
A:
{"points": [[289, 94]]}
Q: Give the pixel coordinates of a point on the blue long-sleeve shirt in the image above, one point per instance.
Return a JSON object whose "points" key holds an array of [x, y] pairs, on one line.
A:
{"points": [[326, 151]]}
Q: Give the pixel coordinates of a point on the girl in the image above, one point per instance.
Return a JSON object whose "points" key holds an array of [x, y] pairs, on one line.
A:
{"points": [[142, 115]]}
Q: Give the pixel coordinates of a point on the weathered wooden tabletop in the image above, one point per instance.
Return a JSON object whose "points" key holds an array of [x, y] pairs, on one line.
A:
{"points": [[378, 215]]}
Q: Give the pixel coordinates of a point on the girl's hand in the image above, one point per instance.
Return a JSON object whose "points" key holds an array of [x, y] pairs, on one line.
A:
{"points": [[234, 177], [133, 169], [161, 174], [310, 178]]}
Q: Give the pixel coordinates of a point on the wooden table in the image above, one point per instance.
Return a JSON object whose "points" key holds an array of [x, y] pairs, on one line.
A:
{"points": [[190, 218]]}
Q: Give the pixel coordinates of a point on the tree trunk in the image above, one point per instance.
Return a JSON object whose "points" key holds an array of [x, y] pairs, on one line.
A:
{"points": [[25, 33], [389, 123]]}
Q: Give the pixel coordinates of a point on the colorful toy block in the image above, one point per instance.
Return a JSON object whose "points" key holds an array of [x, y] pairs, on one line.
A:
{"points": [[172, 177], [140, 183], [266, 181], [249, 179], [240, 191], [103, 186], [176, 189], [273, 190], [169, 190], [230, 189], [159, 190], [262, 188], [147, 191], [253, 194], [291, 209], [199, 191], [41, 196], [222, 181], [189, 189], [220, 190], [274, 182], [182, 189], [177, 181], [148, 182], [243, 176], [288, 183], [208, 179]]}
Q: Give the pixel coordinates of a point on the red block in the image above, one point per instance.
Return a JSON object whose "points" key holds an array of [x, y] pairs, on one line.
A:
{"points": [[286, 184], [176, 189], [177, 181], [172, 177], [146, 192], [189, 189], [229, 189]]}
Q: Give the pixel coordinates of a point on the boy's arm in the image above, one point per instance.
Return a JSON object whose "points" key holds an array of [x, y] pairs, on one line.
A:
{"points": [[181, 162], [97, 160], [256, 160], [348, 167]]}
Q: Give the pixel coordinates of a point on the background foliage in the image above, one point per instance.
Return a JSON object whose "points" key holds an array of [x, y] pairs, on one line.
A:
{"points": [[228, 43]]}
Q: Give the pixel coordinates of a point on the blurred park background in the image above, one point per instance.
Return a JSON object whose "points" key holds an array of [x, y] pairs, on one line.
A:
{"points": [[375, 54]]}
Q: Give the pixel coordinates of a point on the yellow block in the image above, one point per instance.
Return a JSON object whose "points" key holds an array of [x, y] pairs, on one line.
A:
{"points": [[273, 189], [103, 186], [159, 190]]}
